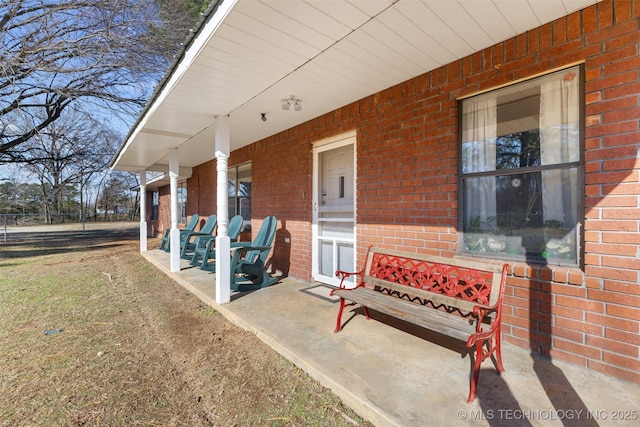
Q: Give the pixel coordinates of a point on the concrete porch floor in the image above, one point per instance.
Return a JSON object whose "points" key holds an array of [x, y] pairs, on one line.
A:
{"points": [[393, 374]]}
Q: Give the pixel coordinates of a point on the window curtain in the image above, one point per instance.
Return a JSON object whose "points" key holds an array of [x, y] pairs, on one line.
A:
{"points": [[559, 143], [479, 124]]}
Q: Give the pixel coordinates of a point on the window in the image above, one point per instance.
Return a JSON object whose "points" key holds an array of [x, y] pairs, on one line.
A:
{"points": [[155, 201], [239, 190], [521, 170], [182, 202]]}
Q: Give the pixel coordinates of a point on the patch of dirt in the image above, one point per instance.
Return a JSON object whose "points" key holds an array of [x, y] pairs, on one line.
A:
{"points": [[127, 346]]}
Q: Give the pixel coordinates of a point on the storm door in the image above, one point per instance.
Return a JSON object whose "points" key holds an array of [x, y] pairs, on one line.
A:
{"points": [[334, 208]]}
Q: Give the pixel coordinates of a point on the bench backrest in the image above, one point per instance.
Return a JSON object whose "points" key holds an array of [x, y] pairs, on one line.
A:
{"points": [[453, 282]]}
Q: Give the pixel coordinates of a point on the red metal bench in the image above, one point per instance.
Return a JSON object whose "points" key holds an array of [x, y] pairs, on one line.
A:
{"points": [[457, 298]]}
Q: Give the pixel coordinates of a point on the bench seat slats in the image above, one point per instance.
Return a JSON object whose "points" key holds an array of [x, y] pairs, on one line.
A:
{"points": [[435, 320]]}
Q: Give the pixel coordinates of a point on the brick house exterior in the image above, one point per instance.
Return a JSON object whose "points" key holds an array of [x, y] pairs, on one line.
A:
{"points": [[407, 183]]}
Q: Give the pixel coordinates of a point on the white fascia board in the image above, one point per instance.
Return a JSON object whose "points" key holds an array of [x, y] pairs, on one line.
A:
{"points": [[199, 42]]}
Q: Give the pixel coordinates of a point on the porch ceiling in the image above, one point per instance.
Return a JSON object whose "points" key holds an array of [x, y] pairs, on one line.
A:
{"points": [[250, 55]]}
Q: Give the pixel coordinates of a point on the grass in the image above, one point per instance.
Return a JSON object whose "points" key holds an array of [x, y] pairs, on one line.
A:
{"points": [[134, 349], [45, 367]]}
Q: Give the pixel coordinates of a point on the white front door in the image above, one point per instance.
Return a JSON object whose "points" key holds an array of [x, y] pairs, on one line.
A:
{"points": [[334, 209]]}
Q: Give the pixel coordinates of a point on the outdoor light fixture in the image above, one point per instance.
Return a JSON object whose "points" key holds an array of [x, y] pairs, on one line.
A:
{"points": [[291, 102]]}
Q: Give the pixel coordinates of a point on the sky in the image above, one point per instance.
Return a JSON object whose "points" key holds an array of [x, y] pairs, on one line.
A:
{"points": [[11, 171]]}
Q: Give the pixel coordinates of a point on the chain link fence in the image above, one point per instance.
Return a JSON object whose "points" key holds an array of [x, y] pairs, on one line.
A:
{"points": [[14, 223]]}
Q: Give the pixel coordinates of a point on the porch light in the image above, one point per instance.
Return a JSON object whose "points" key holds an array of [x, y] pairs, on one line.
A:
{"points": [[291, 102]]}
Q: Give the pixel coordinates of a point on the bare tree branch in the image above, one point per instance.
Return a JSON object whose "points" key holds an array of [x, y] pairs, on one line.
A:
{"points": [[82, 55]]}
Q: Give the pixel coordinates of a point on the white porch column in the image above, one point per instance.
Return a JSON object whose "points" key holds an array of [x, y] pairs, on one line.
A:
{"points": [[143, 211], [223, 243], [175, 233]]}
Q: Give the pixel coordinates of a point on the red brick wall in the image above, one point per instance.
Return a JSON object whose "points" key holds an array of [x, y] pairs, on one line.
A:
{"points": [[281, 172], [164, 208], [407, 159], [201, 190]]}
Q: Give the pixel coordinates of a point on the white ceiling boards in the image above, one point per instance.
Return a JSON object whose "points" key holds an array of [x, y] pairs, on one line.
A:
{"points": [[252, 54]]}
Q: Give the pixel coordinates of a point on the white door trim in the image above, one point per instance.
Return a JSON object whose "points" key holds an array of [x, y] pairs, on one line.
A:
{"points": [[348, 138]]}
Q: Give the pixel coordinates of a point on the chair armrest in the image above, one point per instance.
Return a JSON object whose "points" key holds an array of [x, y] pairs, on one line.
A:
{"points": [[240, 244], [191, 234], [246, 248], [204, 242], [208, 243]]}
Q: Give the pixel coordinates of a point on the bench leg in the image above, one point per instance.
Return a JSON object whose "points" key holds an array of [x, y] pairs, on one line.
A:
{"points": [[476, 371], [493, 349], [498, 352], [339, 319], [341, 309], [366, 312]]}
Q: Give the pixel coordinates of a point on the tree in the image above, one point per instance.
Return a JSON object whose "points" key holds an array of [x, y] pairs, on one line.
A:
{"points": [[19, 199], [8, 196], [98, 56], [70, 152], [116, 197]]}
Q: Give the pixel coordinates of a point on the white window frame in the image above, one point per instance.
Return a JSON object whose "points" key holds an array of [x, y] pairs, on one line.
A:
{"points": [[558, 173]]}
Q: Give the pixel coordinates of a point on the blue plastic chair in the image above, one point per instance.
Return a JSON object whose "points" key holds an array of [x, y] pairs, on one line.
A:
{"points": [[248, 264], [187, 246], [191, 225], [205, 248]]}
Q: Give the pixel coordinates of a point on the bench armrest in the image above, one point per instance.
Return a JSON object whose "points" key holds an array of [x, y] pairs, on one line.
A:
{"points": [[480, 312], [344, 274]]}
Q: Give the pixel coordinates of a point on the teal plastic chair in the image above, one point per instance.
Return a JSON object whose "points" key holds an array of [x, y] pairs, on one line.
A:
{"points": [[187, 246], [191, 225], [248, 264], [205, 248]]}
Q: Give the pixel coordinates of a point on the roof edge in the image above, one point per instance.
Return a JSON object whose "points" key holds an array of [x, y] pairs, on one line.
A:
{"points": [[206, 17]]}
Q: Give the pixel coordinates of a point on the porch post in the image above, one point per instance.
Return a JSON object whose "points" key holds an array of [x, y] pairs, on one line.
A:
{"points": [[175, 233], [143, 211], [223, 243]]}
